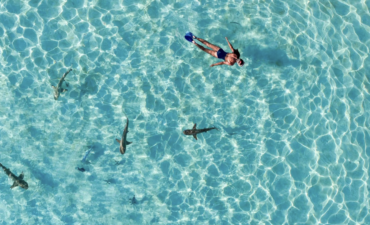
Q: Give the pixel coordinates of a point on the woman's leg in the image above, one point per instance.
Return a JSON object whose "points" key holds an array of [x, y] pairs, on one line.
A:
{"points": [[214, 47], [209, 51]]}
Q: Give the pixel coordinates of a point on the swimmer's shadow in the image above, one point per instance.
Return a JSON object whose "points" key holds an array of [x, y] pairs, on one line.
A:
{"points": [[270, 56]]}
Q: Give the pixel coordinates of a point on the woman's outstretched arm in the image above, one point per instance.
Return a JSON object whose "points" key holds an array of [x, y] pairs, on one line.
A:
{"points": [[231, 47], [220, 63]]}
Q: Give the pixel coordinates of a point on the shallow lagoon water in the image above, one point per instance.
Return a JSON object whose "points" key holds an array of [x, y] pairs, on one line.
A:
{"points": [[292, 146]]}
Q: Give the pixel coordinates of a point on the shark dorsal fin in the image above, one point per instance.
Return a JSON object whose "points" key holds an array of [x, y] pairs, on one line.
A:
{"points": [[14, 185], [195, 126], [21, 176], [127, 142], [195, 136], [119, 141]]}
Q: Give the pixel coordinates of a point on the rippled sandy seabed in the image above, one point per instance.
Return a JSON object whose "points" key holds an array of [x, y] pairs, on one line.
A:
{"points": [[294, 129]]}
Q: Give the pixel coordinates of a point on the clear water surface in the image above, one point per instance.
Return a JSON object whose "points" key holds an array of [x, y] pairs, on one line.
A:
{"points": [[294, 128]]}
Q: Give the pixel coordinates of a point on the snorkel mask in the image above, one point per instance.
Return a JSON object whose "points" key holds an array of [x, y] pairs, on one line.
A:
{"points": [[240, 62]]}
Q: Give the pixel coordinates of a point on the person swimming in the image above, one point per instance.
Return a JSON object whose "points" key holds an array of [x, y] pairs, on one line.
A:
{"points": [[229, 58]]}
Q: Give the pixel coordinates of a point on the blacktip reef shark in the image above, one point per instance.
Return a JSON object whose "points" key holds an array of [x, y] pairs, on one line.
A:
{"points": [[18, 181], [123, 142], [196, 131], [58, 89]]}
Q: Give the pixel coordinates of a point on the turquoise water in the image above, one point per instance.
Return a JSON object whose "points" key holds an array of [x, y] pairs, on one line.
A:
{"points": [[292, 146]]}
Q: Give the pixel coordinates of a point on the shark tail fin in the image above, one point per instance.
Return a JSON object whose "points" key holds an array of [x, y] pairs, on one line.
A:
{"points": [[216, 128], [128, 143], [14, 185], [195, 136], [119, 141]]}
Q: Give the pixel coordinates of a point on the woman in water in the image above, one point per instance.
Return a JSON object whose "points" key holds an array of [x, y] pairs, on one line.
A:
{"points": [[230, 58]]}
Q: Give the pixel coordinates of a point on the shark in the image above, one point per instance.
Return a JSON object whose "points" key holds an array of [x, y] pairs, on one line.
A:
{"points": [[196, 131], [18, 181], [123, 142], [58, 89]]}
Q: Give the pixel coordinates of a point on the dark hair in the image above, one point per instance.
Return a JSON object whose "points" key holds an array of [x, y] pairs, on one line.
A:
{"points": [[236, 51], [242, 62]]}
